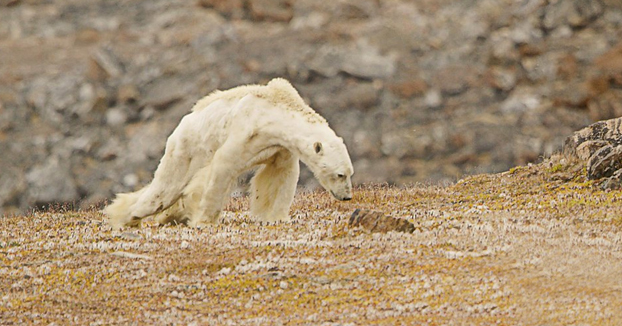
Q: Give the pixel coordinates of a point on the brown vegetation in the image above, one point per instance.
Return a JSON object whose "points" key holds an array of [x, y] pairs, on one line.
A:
{"points": [[538, 244]]}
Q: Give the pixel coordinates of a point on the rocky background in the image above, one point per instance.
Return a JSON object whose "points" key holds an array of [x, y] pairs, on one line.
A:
{"points": [[424, 90]]}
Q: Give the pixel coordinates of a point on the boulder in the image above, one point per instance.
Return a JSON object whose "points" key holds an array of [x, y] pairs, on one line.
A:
{"points": [[607, 132], [599, 146]]}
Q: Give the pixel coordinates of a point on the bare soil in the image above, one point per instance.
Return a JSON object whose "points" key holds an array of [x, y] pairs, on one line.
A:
{"points": [[532, 246]]}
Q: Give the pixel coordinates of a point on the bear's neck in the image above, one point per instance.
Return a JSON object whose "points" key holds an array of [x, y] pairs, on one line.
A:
{"points": [[299, 138]]}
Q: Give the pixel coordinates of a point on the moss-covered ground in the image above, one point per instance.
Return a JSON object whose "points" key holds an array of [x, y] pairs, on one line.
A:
{"points": [[537, 245]]}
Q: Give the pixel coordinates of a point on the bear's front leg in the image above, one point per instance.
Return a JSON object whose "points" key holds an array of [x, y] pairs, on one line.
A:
{"points": [[274, 186]]}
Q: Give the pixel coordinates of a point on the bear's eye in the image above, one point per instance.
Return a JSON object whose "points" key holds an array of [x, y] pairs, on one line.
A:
{"points": [[340, 176]]}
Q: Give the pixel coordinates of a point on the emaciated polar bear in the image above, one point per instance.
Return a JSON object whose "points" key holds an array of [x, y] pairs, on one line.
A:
{"points": [[228, 133]]}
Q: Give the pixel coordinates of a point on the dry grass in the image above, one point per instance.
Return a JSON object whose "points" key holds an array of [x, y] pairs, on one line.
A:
{"points": [[535, 245]]}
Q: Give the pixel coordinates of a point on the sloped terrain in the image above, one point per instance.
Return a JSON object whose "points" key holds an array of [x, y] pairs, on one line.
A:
{"points": [[536, 245], [423, 90]]}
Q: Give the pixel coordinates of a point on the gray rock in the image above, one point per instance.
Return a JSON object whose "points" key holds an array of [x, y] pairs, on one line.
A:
{"points": [[164, 92], [362, 61], [599, 145], [313, 20], [604, 162], [109, 63], [82, 144], [356, 9], [502, 78], [116, 117], [406, 144], [502, 46], [51, 182], [576, 13], [433, 99], [327, 61], [614, 182], [455, 79], [541, 68], [608, 131], [111, 149], [586, 149], [359, 95], [366, 62], [270, 10], [520, 102], [130, 180]]}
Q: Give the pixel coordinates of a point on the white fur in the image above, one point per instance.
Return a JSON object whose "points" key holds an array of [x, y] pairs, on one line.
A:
{"points": [[226, 134]]}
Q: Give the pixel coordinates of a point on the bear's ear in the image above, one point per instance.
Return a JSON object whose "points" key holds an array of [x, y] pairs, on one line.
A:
{"points": [[317, 147]]}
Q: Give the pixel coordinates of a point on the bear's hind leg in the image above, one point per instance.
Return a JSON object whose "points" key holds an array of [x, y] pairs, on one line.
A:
{"points": [[119, 210], [173, 215], [207, 191], [164, 190], [273, 187], [188, 204]]}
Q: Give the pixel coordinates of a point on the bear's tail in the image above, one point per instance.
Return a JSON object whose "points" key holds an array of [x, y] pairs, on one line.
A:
{"points": [[119, 211]]}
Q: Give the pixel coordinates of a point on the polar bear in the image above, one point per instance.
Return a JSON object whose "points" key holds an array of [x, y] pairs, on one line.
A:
{"points": [[231, 132]]}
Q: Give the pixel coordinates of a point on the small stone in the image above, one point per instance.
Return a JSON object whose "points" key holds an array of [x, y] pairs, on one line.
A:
{"points": [[128, 93], [502, 78], [454, 80], [130, 180], [125, 254], [184, 245], [433, 99], [360, 95], [366, 62], [104, 64], [130, 236], [227, 8], [355, 9], [409, 88], [164, 92], [314, 20], [223, 271], [520, 102], [116, 117], [147, 113], [271, 10], [284, 285], [576, 13]]}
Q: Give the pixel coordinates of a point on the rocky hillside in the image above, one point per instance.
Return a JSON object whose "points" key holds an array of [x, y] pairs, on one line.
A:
{"points": [[420, 90]]}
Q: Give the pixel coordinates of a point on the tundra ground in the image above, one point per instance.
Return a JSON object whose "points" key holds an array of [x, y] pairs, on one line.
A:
{"points": [[535, 245]]}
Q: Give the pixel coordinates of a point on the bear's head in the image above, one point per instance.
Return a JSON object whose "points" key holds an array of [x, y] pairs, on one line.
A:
{"points": [[331, 165]]}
